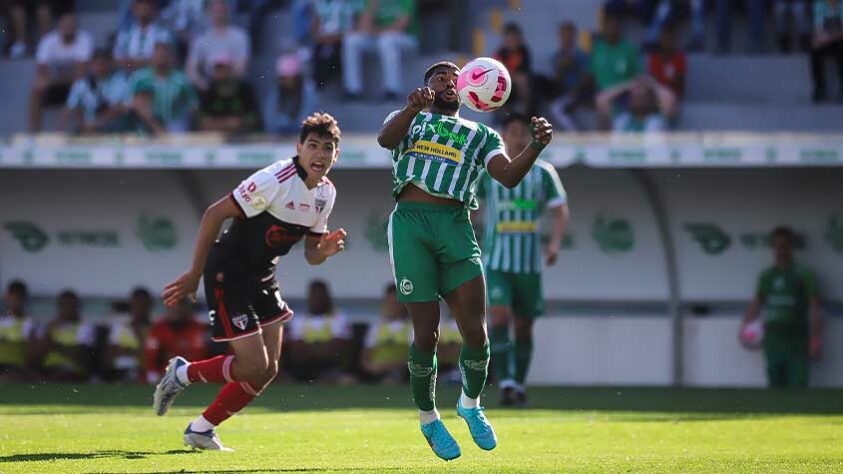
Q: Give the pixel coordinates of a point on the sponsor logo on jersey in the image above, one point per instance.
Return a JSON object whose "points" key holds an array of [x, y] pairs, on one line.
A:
{"points": [[303, 207], [291, 205], [240, 321], [427, 150], [406, 287]]}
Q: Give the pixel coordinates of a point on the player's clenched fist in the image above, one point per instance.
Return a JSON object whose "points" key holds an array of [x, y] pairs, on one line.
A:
{"points": [[541, 130], [420, 99]]}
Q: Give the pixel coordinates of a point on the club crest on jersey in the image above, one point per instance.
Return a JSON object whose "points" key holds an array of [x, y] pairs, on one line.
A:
{"points": [[320, 204], [406, 287], [240, 321]]}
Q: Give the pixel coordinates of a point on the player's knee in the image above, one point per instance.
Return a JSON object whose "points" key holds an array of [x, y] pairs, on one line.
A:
{"points": [[253, 370], [426, 342], [523, 329], [271, 372], [475, 337], [501, 316]]}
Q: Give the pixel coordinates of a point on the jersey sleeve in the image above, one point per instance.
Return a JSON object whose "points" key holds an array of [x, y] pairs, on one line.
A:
{"points": [[763, 286], [554, 192], [481, 186], [321, 225], [810, 282], [493, 146], [391, 116], [256, 192]]}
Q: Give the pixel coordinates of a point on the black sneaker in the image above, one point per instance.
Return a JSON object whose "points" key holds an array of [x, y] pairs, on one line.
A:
{"points": [[521, 399], [507, 397]]}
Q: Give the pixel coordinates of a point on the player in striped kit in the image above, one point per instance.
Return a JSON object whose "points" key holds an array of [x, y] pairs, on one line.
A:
{"points": [[512, 256], [438, 158]]}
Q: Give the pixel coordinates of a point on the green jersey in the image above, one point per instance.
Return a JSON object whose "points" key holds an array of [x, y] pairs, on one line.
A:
{"points": [[172, 96], [512, 241], [444, 155], [786, 294]]}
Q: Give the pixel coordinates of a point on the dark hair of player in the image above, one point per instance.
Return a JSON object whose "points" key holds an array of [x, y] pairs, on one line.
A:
{"points": [[515, 117], [141, 292], [783, 231], [512, 28], [17, 287], [68, 294], [323, 125], [432, 69]]}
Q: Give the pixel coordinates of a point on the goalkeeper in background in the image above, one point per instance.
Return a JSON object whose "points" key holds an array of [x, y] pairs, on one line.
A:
{"points": [[512, 256]]}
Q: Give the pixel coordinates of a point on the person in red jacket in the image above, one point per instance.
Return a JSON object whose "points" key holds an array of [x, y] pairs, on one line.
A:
{"points": [[178, 333]]}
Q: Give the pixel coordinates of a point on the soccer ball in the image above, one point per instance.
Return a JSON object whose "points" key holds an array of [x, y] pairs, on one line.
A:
{"points": [[484, 84], [752, 335]]}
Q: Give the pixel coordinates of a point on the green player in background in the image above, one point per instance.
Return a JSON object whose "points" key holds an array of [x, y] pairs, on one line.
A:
{"points": [[437, 159], [512, 255], [788, 298]]}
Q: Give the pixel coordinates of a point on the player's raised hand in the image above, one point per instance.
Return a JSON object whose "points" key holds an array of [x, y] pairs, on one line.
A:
{"points": [[541, 130], [332, 243], [420, 99], [183, 287]]}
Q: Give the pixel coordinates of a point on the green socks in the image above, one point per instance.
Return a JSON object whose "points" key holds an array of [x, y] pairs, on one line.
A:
{"points": [[422, 367], [501, 350], [523, 356], [474, 366]]}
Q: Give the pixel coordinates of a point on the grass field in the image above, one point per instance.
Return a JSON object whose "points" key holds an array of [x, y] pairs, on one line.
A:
{"points": [[60, 429]]}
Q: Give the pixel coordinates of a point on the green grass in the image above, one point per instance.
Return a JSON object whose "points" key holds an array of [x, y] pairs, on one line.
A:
{"points": [[60, 429]]}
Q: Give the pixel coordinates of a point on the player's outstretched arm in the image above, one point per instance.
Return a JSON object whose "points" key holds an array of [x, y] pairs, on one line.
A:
{"points": [[209, 228], [510, 172], [317, 248], [395, 129]]}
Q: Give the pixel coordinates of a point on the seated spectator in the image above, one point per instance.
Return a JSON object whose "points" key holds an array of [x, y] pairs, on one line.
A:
{"points": [[228, 105], [124, 357], [668, 64], [18, 22], [568, 86], [63, 348], [614, 60], [390, 26], [97, 101], [61, 57], [650, 106], [161, 98], [793, 16], [178, 333], [291, 98], [387, 342], [756, 11], [668, 12], [827, 42], [513, 53], [186, 20], [318, 341], [221, 39], [16, 333], [135, 45], [331, 20]]}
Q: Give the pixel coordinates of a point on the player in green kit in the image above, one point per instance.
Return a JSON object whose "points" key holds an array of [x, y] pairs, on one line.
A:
{"points": [[512, 255], [438, 158], [787, 294]]}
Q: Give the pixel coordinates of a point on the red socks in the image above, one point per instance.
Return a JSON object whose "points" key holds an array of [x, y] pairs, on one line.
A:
{"points": [[214, 370], [233, 397]]}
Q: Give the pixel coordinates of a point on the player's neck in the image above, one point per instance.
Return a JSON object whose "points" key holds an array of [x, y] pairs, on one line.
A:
{"points": [[436, 110]]}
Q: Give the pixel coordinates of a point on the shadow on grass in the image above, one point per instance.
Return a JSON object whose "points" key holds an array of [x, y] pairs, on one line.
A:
{"points": [[92, 455]]}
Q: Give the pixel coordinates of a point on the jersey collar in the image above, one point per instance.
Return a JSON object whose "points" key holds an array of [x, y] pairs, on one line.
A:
{"points": [[299, 169]]}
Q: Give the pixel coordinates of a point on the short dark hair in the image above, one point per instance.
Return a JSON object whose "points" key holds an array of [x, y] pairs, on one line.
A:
{"points": [[512, 28], [433, 67], [568, 24], [68, 294], [783, 231], [102, 53], [323, 125], [515, 117], [141, 292], [18, 287]]}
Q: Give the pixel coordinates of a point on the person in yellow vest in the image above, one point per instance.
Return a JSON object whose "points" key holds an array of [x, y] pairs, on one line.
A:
{"points": [[387, 342], [16, 331], [318, 343], [63, 347], [124, 358]]}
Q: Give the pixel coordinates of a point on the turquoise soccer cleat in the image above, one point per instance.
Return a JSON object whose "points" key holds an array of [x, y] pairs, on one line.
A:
{"points": [[478, 425], [443, 444]]}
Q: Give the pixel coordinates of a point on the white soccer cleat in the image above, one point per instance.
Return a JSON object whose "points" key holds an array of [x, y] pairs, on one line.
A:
{"points": [[205, 440], [168, 388]]}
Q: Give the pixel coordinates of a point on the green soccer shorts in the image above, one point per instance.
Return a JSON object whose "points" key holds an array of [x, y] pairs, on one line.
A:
{"points": [[433, 250], [520, 291]]}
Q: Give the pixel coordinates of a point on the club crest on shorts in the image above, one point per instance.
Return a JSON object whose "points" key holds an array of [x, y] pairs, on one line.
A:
{"points": [[406, 287], [240, 321]]}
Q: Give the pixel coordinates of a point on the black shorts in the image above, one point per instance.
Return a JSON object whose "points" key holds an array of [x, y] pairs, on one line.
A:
{"points": [[55, 95], [238, 308]]}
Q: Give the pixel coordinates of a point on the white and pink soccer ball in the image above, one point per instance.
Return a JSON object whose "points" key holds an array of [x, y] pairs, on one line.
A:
{"points": [[752, 335], [484, 84]]}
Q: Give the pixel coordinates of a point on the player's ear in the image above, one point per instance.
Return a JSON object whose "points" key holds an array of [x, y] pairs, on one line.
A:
{"points": [[298, 148], [336, 154]]}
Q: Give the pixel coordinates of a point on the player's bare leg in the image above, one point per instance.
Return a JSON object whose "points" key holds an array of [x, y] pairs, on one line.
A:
{"points": [[468, 305], [523, 355], [501, 351], [422, 365]]}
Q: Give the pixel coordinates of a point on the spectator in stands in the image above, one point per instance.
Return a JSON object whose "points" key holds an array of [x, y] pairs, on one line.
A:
{"points": [[16, 333], [124, 356], [331, 20], [291, 98], [614, 60], [651, 107], [827, 42], [513, 53], [186, 19], [44, 12], [389, 26], [178, 333], [229, 104], [162, 99], [61, 57], [64, 346], [568, 87], [787, 293], [135, 45], [318, 342], [793, 16], [668, 64], [667, 13], [221, 39], [97, 101], [387, 342], [757, 18]]}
